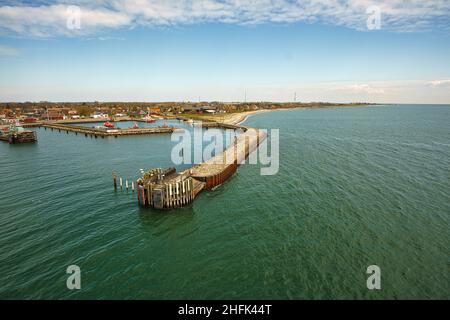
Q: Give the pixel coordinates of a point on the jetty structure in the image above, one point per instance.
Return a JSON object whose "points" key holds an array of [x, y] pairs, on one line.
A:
{"points": [[107, 132], [167, 189], [14, 134]]}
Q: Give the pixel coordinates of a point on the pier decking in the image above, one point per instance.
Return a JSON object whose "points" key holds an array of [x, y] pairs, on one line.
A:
{"points": [[107, 132], [164, 189]]}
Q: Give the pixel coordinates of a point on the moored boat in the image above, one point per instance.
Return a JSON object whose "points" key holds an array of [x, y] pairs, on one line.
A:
{"points": [[164, 126], [109, 125], [148, 118], [134, 126]]}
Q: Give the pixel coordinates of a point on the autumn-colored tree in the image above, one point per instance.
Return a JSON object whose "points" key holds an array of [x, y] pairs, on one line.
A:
{"points": [[84, 111]]}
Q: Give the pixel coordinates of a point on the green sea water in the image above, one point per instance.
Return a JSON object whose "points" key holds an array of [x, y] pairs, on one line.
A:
{"points": [[356, 187]]}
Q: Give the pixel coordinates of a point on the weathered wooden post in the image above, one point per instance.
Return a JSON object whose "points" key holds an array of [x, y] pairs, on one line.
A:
{"points": [[171, 195], [168, 195], [188, 188], [143, 195], [115, 181], [178, 194], [150, 194], [138, 193]]}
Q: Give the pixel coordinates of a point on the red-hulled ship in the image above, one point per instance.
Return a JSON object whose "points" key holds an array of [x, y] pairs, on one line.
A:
{"points": [[109, 125]]}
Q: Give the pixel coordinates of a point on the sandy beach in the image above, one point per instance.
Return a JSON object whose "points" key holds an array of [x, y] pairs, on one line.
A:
{"points": [[238, 118]]}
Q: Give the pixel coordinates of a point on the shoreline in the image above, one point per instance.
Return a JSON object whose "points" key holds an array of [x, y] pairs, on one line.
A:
{"points": [[239, 118]]}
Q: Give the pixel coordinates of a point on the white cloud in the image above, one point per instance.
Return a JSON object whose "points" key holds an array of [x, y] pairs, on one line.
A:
{"points": [[46, 21], [365, 88], [414, 91], [8, 51], [50, 20], [439, 83]]}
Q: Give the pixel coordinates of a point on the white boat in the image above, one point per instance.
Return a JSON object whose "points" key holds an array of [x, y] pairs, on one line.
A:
{"points": [[148, 118]]}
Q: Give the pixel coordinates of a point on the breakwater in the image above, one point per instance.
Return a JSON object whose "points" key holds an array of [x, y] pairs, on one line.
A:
{"points": [[167, 189]]}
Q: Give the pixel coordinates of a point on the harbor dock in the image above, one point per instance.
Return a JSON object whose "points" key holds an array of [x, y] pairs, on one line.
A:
{"points": [[106, 132], [17, 134], [165, 189], [168, 189]]}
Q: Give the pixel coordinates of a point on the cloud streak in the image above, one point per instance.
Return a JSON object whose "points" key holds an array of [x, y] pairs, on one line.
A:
{"points": [[8, 51], [365, 88], [440, 83], [414, 91], [49, 19]]}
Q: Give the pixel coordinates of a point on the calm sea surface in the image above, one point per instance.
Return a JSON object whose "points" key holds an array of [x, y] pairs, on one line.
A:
{"points": [[356, 187]]}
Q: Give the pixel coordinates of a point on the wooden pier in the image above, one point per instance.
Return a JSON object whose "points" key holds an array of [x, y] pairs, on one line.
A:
{"points": [[19, 137], [14, 134], [107, 132], [167, 189]]}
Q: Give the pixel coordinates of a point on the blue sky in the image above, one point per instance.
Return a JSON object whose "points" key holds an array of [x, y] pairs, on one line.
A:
{"points": [[217, 50]]}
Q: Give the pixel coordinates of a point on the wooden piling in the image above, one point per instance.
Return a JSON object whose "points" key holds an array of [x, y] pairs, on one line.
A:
{"points": [[115, 181], [143, 197], [151, 196], [138, 193]]}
